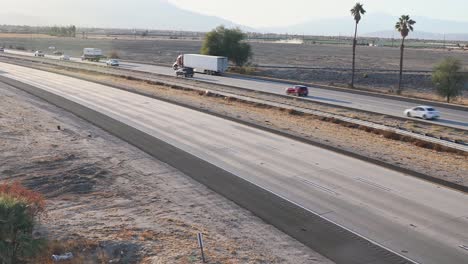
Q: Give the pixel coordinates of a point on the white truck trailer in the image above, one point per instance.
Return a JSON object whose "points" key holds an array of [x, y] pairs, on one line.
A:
{"points": [[91, 54], [203, 63]]}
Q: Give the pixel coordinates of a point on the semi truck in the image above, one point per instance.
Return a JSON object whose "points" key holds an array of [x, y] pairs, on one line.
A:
{"points": [[213, 65], [91, 54]]}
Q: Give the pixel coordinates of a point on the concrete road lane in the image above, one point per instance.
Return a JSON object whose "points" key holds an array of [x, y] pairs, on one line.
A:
{"points": [[423, 221], [450, 117]]}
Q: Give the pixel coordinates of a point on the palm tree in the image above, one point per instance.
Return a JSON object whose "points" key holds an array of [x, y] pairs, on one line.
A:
{"points": [[356, 12], [404, 26]]}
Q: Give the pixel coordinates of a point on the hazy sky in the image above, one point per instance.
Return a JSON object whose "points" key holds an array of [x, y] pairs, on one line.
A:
{"points": [[257, 13]]}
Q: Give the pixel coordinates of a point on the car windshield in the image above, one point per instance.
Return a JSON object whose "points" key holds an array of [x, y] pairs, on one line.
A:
{"points": [[430, 109]]}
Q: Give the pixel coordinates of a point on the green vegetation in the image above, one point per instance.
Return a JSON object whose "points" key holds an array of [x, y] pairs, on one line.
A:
{"points": [[357, 11], [63, 31], [229, 43], [404, 26], [113, 55], [448, 79], [19, 208]]}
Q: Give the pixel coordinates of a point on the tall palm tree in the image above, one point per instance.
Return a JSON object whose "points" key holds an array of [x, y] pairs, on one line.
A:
{"points": [[404, 26], [356, 12]]}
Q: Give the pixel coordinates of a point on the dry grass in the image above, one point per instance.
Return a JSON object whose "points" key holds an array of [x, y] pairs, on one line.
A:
{"points": [[83, 252]]}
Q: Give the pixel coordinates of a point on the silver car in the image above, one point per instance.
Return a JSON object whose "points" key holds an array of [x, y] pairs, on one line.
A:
{"points": [[112, 62], [64, 57], [424, 112]]}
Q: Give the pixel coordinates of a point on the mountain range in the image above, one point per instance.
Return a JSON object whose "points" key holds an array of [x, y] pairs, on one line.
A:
{"points": [[141, 14], [378, 25], [161, 14]]}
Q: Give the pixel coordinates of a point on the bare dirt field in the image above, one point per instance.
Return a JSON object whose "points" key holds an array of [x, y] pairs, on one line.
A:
{"points": [[377, 65], [108, 202]]}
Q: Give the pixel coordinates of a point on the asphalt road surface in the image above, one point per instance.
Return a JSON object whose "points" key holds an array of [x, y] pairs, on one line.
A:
{"points": [[420, 220], [449, 117]]}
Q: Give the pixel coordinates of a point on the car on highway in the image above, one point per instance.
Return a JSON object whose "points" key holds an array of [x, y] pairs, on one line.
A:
{"points": [[2, 49], [112, 62], [39, 53], [297, 90], [187, 72], [64, 57], [424, 112]]}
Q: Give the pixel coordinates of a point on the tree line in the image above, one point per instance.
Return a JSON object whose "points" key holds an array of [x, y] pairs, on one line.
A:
{"points": [[57, 31]]}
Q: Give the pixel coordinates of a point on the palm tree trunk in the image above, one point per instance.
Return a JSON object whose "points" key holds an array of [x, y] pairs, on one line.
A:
{"points": [[354, 56], [402, 48]]}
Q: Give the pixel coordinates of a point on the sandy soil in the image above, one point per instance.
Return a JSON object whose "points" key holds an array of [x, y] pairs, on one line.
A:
{"points": [[108, 202], [322, 56]]}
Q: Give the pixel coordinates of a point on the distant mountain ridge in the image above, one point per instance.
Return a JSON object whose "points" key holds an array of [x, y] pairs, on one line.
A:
{"points": [[377, 24], [163, 15], [142, 14]]}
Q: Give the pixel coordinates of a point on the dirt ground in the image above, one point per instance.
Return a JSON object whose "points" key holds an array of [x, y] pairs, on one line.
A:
{"points": [[108, 202], [334, 61]]}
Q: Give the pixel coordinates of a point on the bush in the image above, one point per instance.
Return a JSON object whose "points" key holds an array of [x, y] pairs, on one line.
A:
{"points": [[248, 70], [448, 78], [19, 208], [229, 43], [114, 55]]}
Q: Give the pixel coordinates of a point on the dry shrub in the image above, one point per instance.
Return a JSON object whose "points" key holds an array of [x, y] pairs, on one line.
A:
{"points": [[295, 112], [230, 99], [391, 135], [114, 55], [34, 200], [336, 121], [350, 125], [438, 148], [423, 144], [130, 78], [79, 249], [260, 105]]}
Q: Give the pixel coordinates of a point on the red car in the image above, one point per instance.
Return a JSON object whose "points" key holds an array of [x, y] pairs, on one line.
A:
{"points": [[298, 90]]}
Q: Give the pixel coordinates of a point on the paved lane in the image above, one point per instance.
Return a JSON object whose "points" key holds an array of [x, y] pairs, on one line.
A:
{"points": [[420, 220], [450, 117]]}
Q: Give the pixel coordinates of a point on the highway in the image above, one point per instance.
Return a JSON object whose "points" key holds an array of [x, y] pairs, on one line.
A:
{"points": [[420, 220], [450, 117]]}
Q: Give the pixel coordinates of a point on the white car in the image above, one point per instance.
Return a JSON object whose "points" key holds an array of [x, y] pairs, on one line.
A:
{"points": [[39, 53], [112, 62], [64, 58], [424, 112]]}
